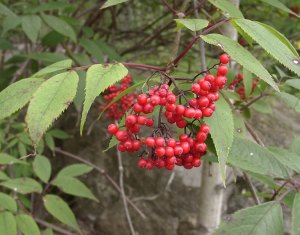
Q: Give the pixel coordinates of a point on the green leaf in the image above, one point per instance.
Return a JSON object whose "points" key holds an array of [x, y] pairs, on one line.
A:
{"points": [[281, 37], [263, 219], [252, 157], [74, 170], [108, 50], [31, 26], [7, 202], [221, 131], [262, 107], [3, 176], [59, 134], [98, 78], [49, 101], [4, 10], [42, 168], [10, 102], [296, 215], [295, 146], [23, 185], [273, 45], [48, 231], [92, 48], [74, 187], [228, 8], [292, 101], [119, 96], [247, 81], [10, 22], [192, 24], [60, 26], [27, 225], [58, 208], [47, 57], [113, 142], [60, 65], [294, 83], [50, 142], [280, 6], [8, 225], [110, 3], [287, 158], [6, 159], [241, 55]]}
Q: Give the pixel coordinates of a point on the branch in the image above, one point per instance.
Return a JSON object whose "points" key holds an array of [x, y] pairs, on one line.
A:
{"points": [[54, 227], [251, 187], [104, 173], [170, 7]]}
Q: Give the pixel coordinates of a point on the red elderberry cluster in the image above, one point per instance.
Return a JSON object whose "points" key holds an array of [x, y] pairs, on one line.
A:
{"points": [[238, 86], [118, 109], [160, 149]]}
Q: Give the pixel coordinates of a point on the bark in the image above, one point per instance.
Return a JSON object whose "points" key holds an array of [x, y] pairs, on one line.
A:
{"points": [[212, 189]]}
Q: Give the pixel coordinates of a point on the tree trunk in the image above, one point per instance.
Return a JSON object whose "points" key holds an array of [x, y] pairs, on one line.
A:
{"points": [[212, 189]]}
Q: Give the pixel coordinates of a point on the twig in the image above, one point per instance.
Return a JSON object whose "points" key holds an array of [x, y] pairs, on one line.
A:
{"points": [[252, 188], [282, 196], [20, 71], [170, 7], [253, 134], [121, 181], [102, 172], [278, 190], [54, 227], [253, 101]]}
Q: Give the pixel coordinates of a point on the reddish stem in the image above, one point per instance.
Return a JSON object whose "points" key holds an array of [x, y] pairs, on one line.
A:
{"points": [[144, 66], [170, 7]]}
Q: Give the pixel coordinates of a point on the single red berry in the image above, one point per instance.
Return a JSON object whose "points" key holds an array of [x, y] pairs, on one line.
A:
{"points": [[205, 85], [224, 59], [209, 77], [204, 128], [149, 165], [185, 147], [128, 144], [196, 88], [189, 113], [207, 112], [149, 122], [155, 100], [162, 92], [142, 99], [220, 81], [142, 120], [169, 151], [180, 109], [148, 108], [131, 119], [188, 165], [196, 162], [203, 102], [142, 163], [112, 129], [150, 142], [159, 163], [183, 137], [171, 142], [198, 114], [193, 102], [160, 151], [201, 147], [188, 158], [211, 96], [222, 70], [135, 129], [201, 137], [178, 150], [136, 145], [121, 148], [171, 99], [137, 108], [160, 142], [181, 124], [171, 160], [170, 107], [121, 135], [170, 167]]}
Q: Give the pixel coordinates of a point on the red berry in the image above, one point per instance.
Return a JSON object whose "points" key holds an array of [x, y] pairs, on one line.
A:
{"points": [[196, 162], [170, 107], [142, 99], [222, 70], [189, 113], [201, 136], [204, 128], [148, 108], [205, 85], [203, 102], [220, 81], [149, 165], [196, 88], [121, 135], [160, 142], [198, 114], [142, 163], [171, 142], [136, 145], [224, 59], [149, 122], [150, 142], [128, 144], [170, 167], [181, 123], [171, 160], [137, 108], [209, 77], [135, 129], [142, 120], [178, 150], [183, 137], [131, 119], [188, 158], [185, 147], [171, 99], [160, 151], [180, 109], [169, 151], [155, 100], [159, 163], [162, 92], [207, 112], [112, 129], [193, 102]]}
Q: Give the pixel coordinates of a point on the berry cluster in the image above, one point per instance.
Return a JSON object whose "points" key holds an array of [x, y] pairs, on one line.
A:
{"points": [[238, 86], [118, 109], [160, 149]]}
